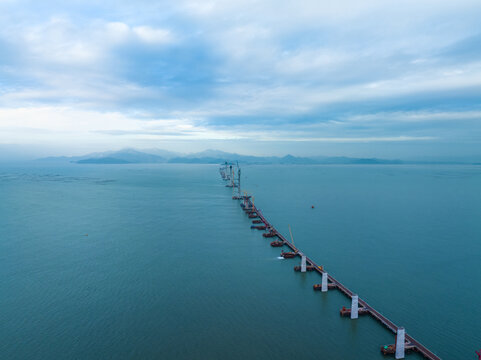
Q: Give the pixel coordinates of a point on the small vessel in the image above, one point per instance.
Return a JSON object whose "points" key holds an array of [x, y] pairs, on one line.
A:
{"points": [[288, 254], [277, 243], [253, 216], [269, 234], [345, 312], [388, 349], [391, 349], [257, 221], [258, 227]]}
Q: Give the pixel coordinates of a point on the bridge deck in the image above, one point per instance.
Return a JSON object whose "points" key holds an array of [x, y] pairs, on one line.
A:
{"points": [[374, 313]]}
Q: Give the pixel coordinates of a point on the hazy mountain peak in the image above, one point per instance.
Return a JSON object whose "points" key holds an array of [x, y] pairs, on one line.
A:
{"points": [[211, 156]]}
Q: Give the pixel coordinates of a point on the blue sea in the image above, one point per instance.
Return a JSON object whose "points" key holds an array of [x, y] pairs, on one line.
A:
{"points": [[158, 261]]}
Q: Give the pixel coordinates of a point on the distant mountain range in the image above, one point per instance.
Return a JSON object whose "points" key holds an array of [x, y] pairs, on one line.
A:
{"points": [[156, 156]]}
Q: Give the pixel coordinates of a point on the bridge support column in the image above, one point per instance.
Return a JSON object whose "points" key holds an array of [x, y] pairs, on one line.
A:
{"points": [[324, 286], [354, 307], [303, 263], [400, 338]]}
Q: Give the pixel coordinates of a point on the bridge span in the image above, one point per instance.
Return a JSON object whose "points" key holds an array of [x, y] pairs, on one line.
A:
{"points": [[410, 343]]}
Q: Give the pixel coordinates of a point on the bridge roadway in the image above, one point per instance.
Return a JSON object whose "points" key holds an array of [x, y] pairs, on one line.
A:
{"points": [[374, 313]]}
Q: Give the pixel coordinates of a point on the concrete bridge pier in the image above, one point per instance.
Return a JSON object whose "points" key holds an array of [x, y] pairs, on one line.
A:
{"points": [[303, 263], [354, 307], [400, 339], [324, 286]]}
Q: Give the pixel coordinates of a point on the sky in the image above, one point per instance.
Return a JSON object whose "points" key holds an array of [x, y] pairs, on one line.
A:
{"points": [[376, 78]]}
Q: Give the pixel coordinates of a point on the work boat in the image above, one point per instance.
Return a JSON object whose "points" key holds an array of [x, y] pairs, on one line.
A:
{"points": [[288, 254], [258, 227], [277, 243], [269, 234]]}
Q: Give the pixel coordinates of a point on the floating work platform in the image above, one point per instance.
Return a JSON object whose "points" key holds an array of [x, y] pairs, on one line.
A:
{"points": [[411, 343], [308, 268], [289, 254], [391, 349], [270, 234], [347, 312], [330, 286], [277, 243], [258, 227]]}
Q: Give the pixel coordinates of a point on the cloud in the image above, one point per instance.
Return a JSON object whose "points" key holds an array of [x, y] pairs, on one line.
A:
{"points": [[353, 139], [118, 33], [419, 116], [153, 36], [60, 40], [252, 70]]}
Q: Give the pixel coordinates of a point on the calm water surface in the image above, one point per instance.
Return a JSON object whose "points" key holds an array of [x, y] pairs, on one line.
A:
{"points": [[157, 262]]}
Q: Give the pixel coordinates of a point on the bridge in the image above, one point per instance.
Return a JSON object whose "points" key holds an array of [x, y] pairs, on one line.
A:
{"points": [[404, 340]]}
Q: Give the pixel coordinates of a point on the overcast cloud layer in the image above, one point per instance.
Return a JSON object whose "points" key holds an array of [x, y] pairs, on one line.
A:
{"points": [[366, 78]]}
